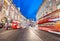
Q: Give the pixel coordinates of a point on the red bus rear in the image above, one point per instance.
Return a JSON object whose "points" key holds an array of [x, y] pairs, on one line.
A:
{"points": [[50, 21]]}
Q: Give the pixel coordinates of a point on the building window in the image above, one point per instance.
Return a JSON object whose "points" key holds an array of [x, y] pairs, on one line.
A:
{"points": [[51, 9], [49, 0], [58, 6], [12, 14], [50, 4], [18, 17], [6, 12], [46, 13], [15, 17], [56, 0]]}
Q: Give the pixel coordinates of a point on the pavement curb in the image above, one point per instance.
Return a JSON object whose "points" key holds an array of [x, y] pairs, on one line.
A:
{"points": [[54, 32]]}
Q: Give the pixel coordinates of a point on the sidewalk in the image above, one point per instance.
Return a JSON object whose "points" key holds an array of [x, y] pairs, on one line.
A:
{"points": [[2, 30], [49, 29]]}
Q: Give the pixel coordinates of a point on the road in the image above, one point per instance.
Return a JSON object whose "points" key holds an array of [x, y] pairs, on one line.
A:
{"points": [[29, 34]]}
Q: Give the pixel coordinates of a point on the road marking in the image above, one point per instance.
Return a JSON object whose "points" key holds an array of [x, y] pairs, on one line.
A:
{"points": [[35, 35], [54, 32]]}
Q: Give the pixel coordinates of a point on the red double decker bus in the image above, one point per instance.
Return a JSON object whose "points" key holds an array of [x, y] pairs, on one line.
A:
{"points": [[50, 21]]}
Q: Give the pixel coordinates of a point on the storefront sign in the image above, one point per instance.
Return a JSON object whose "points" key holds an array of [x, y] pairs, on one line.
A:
{"points": [[1, 4]]}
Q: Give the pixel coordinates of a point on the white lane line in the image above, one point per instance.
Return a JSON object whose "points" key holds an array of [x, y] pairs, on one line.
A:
{"points": [[54, 32], [35, 35]]}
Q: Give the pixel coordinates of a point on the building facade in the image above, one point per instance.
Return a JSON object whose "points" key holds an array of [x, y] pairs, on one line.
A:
{"points": [[10, 12], [47, 7]]}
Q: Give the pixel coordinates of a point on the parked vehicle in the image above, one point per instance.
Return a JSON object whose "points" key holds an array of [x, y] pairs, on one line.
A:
{"points": [[1, 25], [7, 26]]}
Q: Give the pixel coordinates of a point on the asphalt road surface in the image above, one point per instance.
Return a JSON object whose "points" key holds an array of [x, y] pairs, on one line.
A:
{"points": [[29, 34]]}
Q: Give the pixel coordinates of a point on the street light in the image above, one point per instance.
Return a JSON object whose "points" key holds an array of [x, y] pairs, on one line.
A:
{"points": [[19, 8]]}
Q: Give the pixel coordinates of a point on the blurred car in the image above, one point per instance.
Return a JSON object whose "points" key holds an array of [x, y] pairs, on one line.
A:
{"points": [[7, 26], [1, 25]]}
